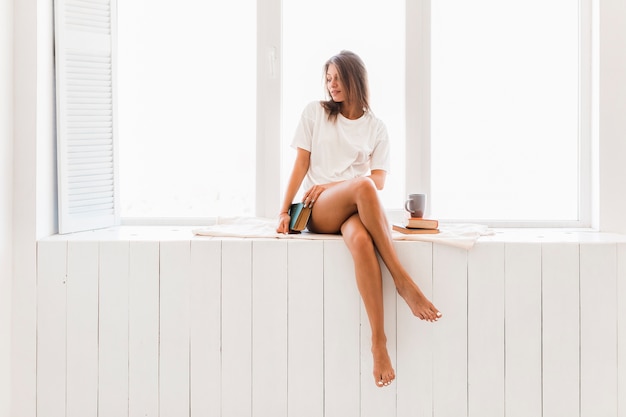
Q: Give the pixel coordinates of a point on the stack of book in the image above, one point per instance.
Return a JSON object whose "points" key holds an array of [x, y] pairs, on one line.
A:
{"points": [[417, 225]]}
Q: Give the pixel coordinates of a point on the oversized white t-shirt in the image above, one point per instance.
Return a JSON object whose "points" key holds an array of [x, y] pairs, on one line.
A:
{"points": [[341, 149]]}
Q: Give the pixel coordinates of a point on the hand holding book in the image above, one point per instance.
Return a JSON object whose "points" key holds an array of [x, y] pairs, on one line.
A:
{"points": [[300, 215]]}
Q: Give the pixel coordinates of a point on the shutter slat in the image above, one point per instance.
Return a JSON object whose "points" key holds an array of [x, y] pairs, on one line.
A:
{"points": [[85, 16], [91, 152], [89, 210], [92, 198], [91, 180], [96, 190], [85, 61]]}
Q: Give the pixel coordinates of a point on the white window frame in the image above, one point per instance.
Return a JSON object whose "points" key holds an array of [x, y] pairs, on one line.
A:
{"points": [[417, 176], [269, 100]]}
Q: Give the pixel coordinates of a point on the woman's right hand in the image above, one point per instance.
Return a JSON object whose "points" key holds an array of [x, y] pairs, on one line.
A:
{"points": [[283, 223]]}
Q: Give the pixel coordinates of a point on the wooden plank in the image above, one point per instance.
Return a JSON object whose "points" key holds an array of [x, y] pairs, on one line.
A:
{"points": [[450, 333], [206, 281], [598, 330], [414, 364], [485, 330], [341, 332], [269, 328], [377, 401], [175, 279], [113, 338], [51, 328], [560, 306], [306, 328], [522, 317], [237, 328], [143, 329], [82, 329], [621, 330]]}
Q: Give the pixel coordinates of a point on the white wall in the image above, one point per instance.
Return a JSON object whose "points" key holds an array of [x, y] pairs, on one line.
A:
{"points": [[23, 334], [33, 192], [611, 120], [6, 193], [6, 204], [27, 204]]}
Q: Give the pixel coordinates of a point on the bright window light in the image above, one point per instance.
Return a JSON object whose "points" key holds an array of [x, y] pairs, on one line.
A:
{"points": [[187, 108], [315, 31], [505, 110]]}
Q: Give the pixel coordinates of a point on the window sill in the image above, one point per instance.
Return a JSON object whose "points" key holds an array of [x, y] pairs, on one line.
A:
{"points": [[505, 235]]}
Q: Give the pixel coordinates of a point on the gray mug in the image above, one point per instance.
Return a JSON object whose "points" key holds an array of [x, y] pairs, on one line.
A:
{"points": [[416, 205]]}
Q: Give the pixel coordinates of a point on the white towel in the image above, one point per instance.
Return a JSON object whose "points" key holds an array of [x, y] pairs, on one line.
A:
{"points": [[454, 234]]}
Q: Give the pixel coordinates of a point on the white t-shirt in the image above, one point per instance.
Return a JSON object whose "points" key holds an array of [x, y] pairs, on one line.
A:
{"points": [[343, 149]]}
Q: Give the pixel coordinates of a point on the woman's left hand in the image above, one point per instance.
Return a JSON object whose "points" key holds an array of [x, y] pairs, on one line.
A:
{"points": [[313, 194], [283, 223]]}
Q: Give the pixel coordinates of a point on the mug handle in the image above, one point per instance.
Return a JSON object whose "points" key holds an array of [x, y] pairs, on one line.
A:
{"points": [[407, 205]]}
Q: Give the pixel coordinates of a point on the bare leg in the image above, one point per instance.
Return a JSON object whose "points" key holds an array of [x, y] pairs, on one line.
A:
{"points": [[369, 282], [335, 205]]}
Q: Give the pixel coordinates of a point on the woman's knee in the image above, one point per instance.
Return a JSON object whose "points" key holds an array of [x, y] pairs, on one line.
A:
{"points": [[365, 187], [359, 240]]}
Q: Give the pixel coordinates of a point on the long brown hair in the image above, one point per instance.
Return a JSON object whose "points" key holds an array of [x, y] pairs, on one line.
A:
{"points": [[353, 76]]}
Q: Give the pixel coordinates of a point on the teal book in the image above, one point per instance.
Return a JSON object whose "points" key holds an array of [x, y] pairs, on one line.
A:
{"points": [[300, 215]]}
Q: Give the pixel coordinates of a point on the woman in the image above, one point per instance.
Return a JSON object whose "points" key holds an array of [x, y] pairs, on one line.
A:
{"points": [[342, 160]]}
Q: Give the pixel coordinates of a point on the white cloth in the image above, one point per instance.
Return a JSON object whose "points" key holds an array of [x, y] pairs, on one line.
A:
{"points": [[343, 149], [458, 235]]}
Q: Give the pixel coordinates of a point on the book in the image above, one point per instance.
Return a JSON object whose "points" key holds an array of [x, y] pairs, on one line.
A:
{"points": [[414, 231], [300, 215], [420, 223]]}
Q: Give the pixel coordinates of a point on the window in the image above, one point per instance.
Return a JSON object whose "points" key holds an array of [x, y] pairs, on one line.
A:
{"points": [[506, 119], [492, 117], [376, 32], [187, 108]]}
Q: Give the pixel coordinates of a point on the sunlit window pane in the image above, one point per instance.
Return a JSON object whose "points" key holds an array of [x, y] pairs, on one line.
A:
{"points": [[315, 31], [187, 112], [505, 109]]}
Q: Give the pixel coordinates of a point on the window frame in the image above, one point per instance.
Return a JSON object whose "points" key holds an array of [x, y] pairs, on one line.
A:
{"points": [[419, 177], [417, 101]]}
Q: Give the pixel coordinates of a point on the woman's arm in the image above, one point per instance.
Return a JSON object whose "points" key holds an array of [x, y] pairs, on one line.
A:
{"points": [[379, 176], [300, 168]]}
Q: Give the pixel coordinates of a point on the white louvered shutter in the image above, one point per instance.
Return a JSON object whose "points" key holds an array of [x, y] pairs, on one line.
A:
{"points": [[86, 114]]}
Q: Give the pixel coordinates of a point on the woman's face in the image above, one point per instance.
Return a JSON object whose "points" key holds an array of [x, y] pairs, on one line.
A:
{"points": [[334, 85]]}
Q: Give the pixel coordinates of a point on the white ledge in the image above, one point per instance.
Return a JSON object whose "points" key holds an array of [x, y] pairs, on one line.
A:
{"points": [[178, 233]]}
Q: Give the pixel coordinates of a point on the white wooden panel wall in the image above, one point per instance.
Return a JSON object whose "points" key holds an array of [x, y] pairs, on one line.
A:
{"points": [[143, 329], [113, 329], [82, 337], [236, 327], [206, 307], [51, 329], [269, 329], [450, 390], [239, 328], [522, 335], [485, 330], [414, 338], [305, 329], [561, 329], [621, 330]]}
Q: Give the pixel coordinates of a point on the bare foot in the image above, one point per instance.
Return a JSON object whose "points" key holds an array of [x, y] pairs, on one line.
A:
{"points": [[383, 370], [417, 301]]}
